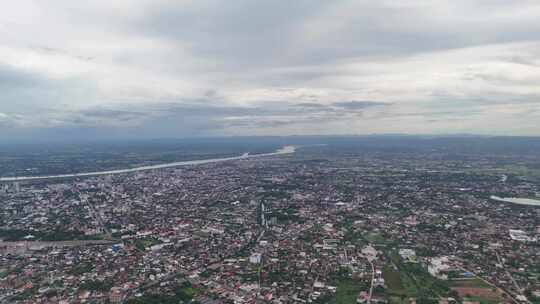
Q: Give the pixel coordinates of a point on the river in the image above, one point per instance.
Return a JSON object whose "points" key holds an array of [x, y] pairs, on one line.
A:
{"points": [[517, 200], [284, 150]]}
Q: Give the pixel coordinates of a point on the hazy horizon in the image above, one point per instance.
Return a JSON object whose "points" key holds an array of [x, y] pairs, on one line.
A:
{"points": [[166, 69]]}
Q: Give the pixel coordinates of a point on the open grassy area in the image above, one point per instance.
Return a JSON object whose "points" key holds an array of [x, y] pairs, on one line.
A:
{"points": [[475, 282], [399, 283], [375, 238], [396, 290], [347, 292], [142, 244], [189, 291], [481, 300], [406, 280], [398, 300], [392, 279]]}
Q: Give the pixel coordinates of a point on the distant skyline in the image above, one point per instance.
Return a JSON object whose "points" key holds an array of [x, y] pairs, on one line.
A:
{"points": [[170, 69]]}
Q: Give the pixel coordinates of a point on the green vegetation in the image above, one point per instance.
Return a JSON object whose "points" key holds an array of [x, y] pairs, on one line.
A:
{"points": [[347, 292], [347, 288], [81, 268], [481, 300], [398, 300], [207, 273], [25, 295], [423, 300], [520, 170], [277, 276], [155, 299], [375, 238], [185, 291], [13, 234], [182, 294], [406, 280], [142, 244], [286, 215], [469, 283], [392, 279], [424, 252]]}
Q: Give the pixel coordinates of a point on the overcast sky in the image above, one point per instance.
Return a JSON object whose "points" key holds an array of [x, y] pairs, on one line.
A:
{"points": [[155, 68]]}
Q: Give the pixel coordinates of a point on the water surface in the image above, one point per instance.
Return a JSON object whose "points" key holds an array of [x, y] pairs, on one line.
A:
{"points": [[284, 150], [517, 200]]}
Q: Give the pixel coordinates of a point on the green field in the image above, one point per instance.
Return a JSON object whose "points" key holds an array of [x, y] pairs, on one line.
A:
{"points": [[142, 244], [481, 300], [375, 238], [469, 283], [392, 279], [347, 292], [404, 280], [399, 283]]}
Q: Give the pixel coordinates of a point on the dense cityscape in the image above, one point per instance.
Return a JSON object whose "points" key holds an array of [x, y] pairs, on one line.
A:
{"points": [[314, 226], [270, 152]]}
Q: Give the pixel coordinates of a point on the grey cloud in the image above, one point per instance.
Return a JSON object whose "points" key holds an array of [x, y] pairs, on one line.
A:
{"points": [[310, 105], [186, 118], [266, 116], [266, 64], [434, 115], [31, 93], [487, 98], [122, 115], [60, 52], [523, 60], [11, 78], [240, 33], [247, 34], [357, 105]]}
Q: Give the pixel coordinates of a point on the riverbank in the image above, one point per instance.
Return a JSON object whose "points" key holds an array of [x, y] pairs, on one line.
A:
{"points": [[284, 150], [517, 200]]}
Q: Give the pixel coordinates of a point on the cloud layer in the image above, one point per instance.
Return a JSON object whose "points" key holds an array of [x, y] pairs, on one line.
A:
{"points": [[207, 67]]}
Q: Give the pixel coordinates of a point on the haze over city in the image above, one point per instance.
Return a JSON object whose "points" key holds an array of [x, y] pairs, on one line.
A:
{"points": [[146, 69], [270, 152]]}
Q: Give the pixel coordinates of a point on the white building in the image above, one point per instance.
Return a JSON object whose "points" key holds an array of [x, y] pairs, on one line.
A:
{"points": [[255, 258], [408, 255], [519, 235], [439, 267]]}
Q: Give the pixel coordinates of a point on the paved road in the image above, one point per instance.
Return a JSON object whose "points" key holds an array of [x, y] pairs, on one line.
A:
{"points": [[518, 288], [372, 281]]}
